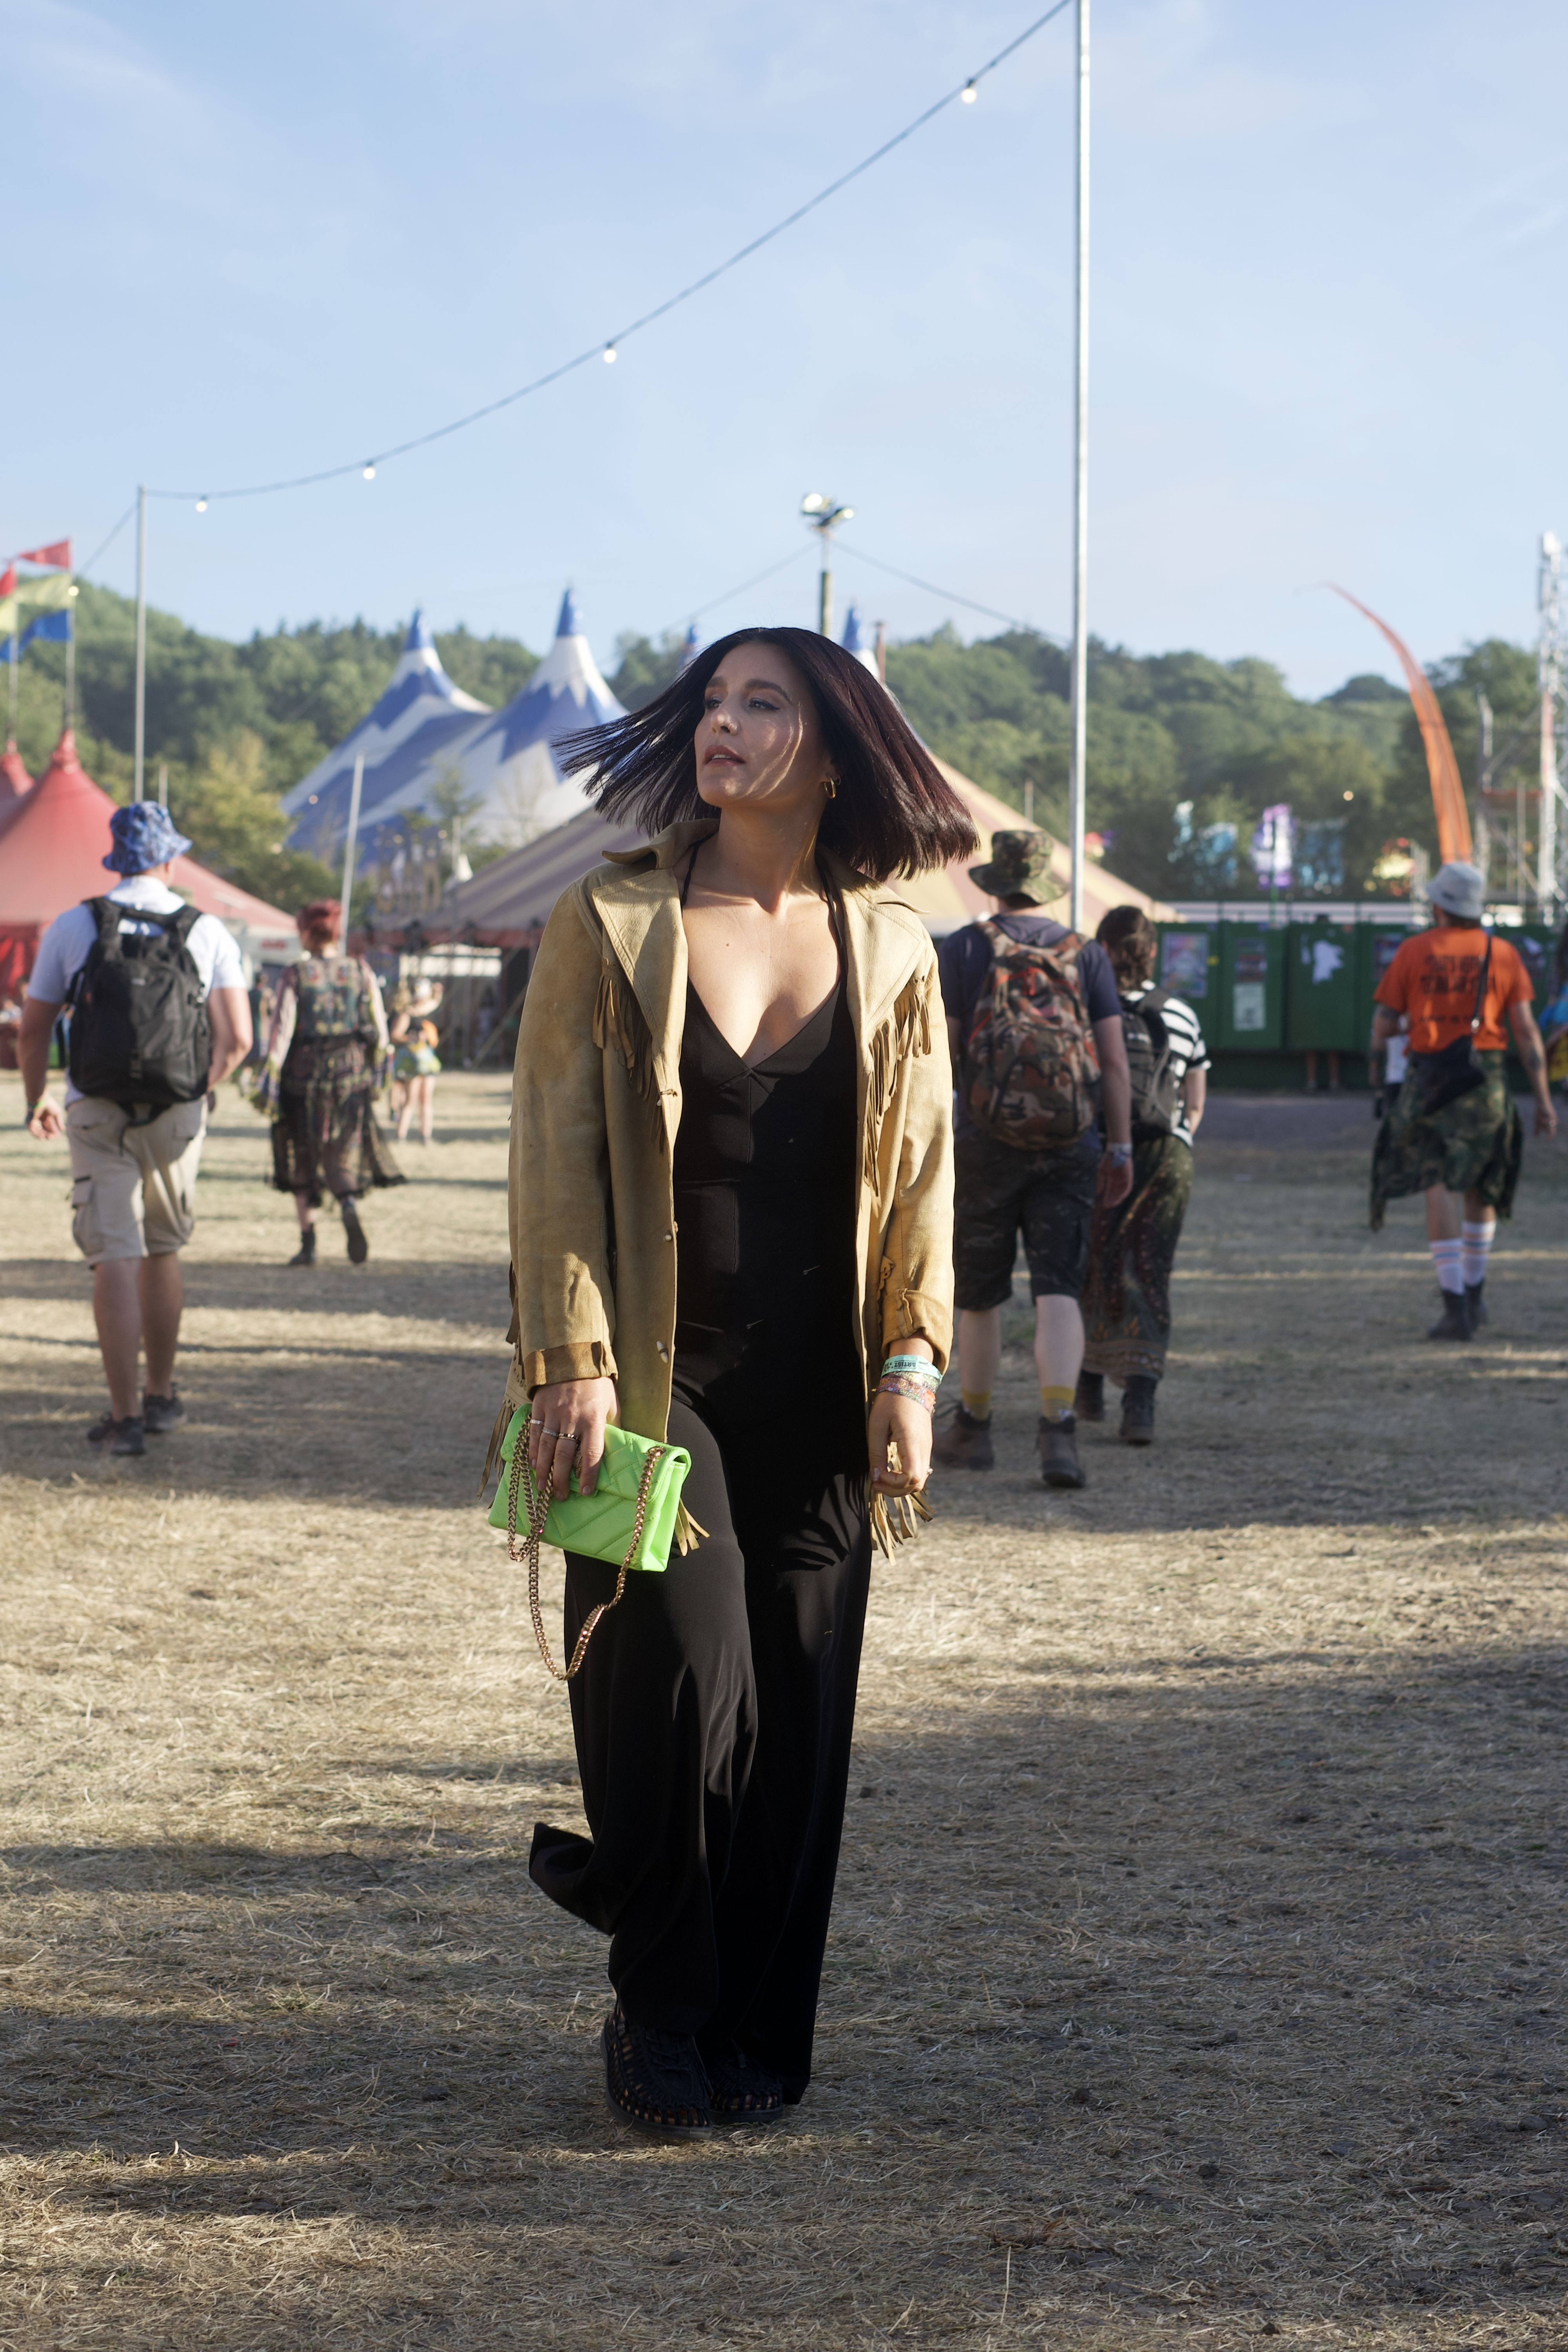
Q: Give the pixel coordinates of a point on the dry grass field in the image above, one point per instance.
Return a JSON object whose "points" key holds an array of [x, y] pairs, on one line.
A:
{"points": [[1196, 1973]]}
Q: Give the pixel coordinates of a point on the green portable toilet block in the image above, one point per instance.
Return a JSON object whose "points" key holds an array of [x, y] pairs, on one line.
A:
{"points": [[1251, 1009], [1321, 992]]}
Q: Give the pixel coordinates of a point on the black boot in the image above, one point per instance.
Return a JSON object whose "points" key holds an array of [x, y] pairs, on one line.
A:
{"points": [[1088, 1404], [359, 1247], [655, 2079], [1138, 1409], [964, 1443], [1475, 1300], [306, 1253], [1454, 1323], [1057, 1442]]}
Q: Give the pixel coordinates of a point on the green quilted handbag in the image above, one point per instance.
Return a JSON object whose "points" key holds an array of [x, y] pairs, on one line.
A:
{"points": [[629, 1518]]}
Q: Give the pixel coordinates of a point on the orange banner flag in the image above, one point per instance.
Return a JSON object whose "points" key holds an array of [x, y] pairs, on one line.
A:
{"points": [[1448, 793]]}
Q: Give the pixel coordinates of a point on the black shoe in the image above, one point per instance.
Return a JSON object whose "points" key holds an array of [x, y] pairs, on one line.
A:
{"points": [[965, 1444], [1057, 1440], [306, 1253], [127, 1436], [1454, 1323], [742, 2093], [1138, 1411], [655, 2080], [162, 1413], [1475, 1300], [1088, 1404], [359, 1247]]}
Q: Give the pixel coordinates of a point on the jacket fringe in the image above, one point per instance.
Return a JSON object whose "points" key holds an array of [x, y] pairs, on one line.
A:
{"points": [[895, 1522], [618, 1020], [689, 1534], [497, 1434], [905, 1032]]}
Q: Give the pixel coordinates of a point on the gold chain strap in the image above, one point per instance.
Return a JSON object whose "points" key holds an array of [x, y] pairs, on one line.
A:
{"points": [[538, 1512]]}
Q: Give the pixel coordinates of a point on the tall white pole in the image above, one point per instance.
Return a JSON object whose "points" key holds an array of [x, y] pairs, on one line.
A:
{"points": [[141, 639], [349, 844], [1076, 774], [1548, 661]]}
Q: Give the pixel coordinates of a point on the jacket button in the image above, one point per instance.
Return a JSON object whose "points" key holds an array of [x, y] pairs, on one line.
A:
{"points": [[663, 1349], [669, 1237]]}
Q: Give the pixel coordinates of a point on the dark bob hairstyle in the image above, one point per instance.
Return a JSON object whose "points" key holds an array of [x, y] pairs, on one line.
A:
{"points": [[893, 813]]}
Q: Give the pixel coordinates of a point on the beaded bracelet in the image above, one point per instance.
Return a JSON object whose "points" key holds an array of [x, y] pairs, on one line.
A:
{"points": [[896, 1384]]}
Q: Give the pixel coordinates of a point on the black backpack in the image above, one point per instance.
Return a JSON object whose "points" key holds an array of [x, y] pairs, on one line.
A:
{"points": [[139, 1030], [1154, 1082]]}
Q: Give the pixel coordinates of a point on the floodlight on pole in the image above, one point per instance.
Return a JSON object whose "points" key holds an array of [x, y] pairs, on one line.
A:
{"points": [[823, 516]]}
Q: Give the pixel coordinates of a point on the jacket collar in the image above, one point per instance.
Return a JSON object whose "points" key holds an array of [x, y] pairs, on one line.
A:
{"points": [[636, 895]]}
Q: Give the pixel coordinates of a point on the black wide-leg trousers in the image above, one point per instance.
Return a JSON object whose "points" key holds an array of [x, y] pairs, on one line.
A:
{"points": [[713, 1717]]}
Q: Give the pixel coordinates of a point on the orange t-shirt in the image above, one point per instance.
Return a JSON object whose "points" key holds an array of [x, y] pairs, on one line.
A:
{"points": [[1433, 979]]}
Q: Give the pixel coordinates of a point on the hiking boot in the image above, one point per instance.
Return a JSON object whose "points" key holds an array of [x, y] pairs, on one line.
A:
{"points": [[306, 1253], [1057, 1440], [1475, 1300], [1138, 1411], [127, 1436], [963, 1444], [162, 1413], [359, 1247], [1454, 1323], [655, 2080], [1088, 1404]]}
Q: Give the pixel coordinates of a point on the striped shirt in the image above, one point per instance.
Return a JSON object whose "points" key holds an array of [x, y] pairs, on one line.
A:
{"points": [[1188, 1051]]}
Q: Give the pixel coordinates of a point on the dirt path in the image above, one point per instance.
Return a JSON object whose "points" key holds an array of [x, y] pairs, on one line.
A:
{"points": [[1196, 1970]]}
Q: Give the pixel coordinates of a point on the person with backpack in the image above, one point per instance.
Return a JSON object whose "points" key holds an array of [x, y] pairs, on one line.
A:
{"points": [[159, 1016], [1034, 1023], [1132, 1245]]}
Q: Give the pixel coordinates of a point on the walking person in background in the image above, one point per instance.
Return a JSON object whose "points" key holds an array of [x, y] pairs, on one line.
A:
{"points": [[160, 1016], [733, 1033], [415, 1064], [1034, 1021], [1133, 1243], [1454, 1133], [328, 1035]]}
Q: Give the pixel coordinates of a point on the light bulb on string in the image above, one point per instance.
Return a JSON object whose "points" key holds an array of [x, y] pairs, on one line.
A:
{"points": [[370, 473], [610, 355], [201, 505], [969, 93]]}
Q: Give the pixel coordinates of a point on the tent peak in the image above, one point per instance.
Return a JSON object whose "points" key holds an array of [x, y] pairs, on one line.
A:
{"points": [[570, 624]]}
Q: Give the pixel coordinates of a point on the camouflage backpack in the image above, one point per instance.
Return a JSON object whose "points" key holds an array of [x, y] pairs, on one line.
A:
{"points": [[1031, 1073]]}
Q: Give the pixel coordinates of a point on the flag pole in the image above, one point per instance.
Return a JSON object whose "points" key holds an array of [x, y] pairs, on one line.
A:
{"points": [[70, 669], [1081, 499], [140, 761], [349, 844]]}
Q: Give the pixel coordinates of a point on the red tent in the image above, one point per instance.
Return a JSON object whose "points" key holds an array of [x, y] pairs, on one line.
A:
{"points": [[13, 778], [52, 844]]}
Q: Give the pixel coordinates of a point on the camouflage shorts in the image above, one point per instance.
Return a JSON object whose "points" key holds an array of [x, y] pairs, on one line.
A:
{"points": [[1001, 1191]]}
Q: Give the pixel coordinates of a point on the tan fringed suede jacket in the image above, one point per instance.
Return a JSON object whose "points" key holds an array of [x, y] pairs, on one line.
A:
{"points": [[597, 1104]]}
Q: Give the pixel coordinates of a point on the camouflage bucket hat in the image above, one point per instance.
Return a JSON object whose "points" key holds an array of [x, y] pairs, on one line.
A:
{"points": [[1019, 864]]}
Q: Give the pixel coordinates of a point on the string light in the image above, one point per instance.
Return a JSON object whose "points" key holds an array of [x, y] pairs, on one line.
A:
{"points": [[608, 351], [201, 505]]}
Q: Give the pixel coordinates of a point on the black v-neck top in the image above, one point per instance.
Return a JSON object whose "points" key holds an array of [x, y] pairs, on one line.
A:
{"points": [[765, 1206]]}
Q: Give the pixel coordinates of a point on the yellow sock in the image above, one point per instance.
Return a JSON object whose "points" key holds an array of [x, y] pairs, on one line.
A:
{"points": [[1055, 1401], [976, 1403]]}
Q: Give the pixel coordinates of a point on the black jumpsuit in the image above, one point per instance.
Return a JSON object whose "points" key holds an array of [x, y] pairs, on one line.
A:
{"points": [[714, 1712]]}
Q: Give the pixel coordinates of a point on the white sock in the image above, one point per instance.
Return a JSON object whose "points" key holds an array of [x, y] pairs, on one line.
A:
{"points": [[1476, 1243], [1445, 1257]]}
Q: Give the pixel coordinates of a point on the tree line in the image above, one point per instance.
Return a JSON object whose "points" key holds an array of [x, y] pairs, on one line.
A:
{"points": [[1184, 753]]}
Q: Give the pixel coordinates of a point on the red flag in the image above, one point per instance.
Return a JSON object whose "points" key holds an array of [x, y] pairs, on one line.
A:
{"points": [[58, 556], [9, 581]]}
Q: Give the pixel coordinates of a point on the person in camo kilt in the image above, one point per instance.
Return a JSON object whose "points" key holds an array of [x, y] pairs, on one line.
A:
{"points": [[1466, 1155]]}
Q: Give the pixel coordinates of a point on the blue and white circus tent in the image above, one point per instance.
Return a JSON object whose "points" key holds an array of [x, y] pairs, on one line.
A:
{"points": [[410, 738], [855, 644], [508, 762]]}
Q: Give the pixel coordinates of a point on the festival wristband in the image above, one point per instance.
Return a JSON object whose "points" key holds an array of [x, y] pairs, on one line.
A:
{"points": [[1121, 1154], [917, 1390], [919, 1368]]}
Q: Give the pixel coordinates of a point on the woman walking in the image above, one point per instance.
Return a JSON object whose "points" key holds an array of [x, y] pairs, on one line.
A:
{"points": [[731, 1223], [329, 1033], [1133, 1245], [415, 1064]]}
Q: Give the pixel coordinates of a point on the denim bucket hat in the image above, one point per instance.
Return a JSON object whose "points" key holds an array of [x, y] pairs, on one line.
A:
{"points": [[143, 835]]}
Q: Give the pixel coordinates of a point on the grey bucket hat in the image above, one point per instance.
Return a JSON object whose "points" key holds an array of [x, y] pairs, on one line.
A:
{"points": [[1018, 865], [1458, 889]]}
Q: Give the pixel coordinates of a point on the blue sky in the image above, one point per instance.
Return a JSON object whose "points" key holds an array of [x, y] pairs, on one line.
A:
{"points": [[1329, 337]]}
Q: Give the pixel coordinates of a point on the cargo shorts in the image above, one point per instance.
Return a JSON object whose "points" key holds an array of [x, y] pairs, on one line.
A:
{"points": [[1000, 1192], [134, 1189]]}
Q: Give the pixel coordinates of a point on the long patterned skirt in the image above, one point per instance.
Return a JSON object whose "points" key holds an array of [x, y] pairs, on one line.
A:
{"points": [[325, 1137], [1132, 1250], [1473, 1145]]}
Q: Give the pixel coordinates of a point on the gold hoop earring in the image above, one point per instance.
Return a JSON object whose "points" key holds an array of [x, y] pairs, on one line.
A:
{"points": [[830, 785]]}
